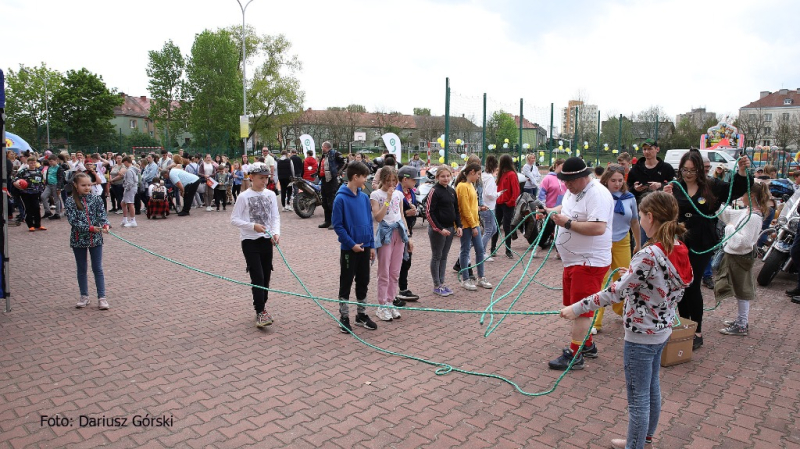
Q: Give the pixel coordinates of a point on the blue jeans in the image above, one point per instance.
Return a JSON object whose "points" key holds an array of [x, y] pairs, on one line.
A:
{"points": [[96, 254], [764, 225], [489, 226], [642, 364], [708, 273], [533, 191], [794, 253], [468, 241]]}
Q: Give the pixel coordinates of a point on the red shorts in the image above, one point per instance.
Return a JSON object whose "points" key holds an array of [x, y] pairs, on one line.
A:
{"points": [[580, 281]]}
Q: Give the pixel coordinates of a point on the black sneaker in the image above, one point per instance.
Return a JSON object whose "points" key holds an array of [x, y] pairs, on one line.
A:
{"points": [[793, 292], [344, 324], [698, 342], [407, 295], [47, 215], [398, 302], [362, 319], [796, 299], [708, 282], [509, 254], [562, 362], [324, 225], [457, 267], [590, 352], [55, 217]]}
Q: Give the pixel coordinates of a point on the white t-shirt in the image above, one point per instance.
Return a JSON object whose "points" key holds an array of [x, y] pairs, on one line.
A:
{"points": [[256, 207], [594, 203], [395, 212]]}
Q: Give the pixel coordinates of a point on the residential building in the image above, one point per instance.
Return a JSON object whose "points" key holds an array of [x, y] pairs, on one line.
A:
{"points": [[772, 120], [697, 116], [587, 118], [532, 133], [134, 114]]}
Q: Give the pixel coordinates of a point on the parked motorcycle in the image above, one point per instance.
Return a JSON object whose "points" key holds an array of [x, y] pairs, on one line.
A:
{"points": [[782, 234], [307, 196]]}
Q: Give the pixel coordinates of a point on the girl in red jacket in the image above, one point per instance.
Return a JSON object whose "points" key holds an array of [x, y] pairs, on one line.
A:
{"points": [[508, 188]]}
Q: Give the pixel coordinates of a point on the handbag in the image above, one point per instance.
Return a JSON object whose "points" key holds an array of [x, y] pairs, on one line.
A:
{"points": [[716, 259]]}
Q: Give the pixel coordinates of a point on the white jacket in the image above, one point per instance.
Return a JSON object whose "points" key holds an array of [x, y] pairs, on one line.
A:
{"points": [[741, 242]]}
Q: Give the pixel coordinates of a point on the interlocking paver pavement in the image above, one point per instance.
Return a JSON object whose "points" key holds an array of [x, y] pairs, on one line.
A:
{"points": [[183, 345]]}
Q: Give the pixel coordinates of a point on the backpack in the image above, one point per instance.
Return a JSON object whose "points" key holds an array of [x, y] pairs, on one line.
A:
{"points": [[69, 176], [159, 193]]}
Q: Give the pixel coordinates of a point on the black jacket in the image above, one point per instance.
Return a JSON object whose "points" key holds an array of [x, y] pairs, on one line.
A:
{"points": [[702, 232], [662, 173], [441, 208]]}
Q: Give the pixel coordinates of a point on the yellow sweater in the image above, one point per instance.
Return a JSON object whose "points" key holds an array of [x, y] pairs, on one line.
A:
{"points": [[468, 205]]}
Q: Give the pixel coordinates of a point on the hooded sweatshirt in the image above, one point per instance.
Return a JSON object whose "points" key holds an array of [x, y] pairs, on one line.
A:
{"points": [[352, 219], [651, 289]]}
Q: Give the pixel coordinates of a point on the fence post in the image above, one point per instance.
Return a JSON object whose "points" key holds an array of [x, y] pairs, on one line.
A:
{"points": [[447, 121], [519, 144], [550, 140], [483, 133], [598, 137]]}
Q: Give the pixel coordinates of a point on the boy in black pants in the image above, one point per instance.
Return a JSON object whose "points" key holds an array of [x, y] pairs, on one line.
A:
{"points": [[352, 220], [407, 176]]}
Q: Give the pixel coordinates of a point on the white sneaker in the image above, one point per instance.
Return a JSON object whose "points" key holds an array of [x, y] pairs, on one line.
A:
{"points": [[103, 304], [84, 301], [482, 282], [118, 212], [132, 224], [383, 314], [208, 209], [395, 313], [487, 257], [469, 284], [124, 223]]}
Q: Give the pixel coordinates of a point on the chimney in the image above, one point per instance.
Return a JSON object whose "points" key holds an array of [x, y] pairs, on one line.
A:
{"points": [[764, 93], [122, 94], [784, 92], [143, 97]]}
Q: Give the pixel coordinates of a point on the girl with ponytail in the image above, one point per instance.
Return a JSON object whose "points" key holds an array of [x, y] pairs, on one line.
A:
{"points": [[650, 288]]}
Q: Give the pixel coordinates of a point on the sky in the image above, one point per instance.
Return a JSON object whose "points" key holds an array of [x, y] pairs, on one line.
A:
{"points": [[622, 55]]}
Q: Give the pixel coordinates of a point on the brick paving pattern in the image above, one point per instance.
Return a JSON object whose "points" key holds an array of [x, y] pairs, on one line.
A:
{"points": [[182, 344]]}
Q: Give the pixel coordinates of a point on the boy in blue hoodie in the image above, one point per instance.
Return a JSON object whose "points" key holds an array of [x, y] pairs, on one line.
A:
{"points": [[352, 221]]}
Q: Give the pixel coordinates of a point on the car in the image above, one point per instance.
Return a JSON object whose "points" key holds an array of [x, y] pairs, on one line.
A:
{"points": [[717, 157]]}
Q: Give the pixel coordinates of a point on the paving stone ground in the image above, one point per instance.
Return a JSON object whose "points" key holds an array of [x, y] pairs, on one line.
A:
{"points": [[184, 345]]}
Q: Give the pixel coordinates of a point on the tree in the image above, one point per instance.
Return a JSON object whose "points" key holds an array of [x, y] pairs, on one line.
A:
{"points": [[785, 131], [138, 139], [501, 126], [85, 106], [167, 89], [422, 111], [610, 133], [26, 104], [752, 123], [644, 123], [215, 88]]}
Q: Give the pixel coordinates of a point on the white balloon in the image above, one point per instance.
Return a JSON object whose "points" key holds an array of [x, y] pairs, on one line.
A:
{"points": [[505, 145], [441, 152]]}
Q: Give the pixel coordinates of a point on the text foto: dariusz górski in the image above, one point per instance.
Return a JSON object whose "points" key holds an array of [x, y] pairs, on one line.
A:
{"points": [[145, 420]]}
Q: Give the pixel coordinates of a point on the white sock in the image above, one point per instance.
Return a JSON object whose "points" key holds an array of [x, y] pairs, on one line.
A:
{"points": [[124, 220], [744, 312]]}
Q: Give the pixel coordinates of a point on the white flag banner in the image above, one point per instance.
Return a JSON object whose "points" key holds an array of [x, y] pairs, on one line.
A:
{"points": [[307, 142], [393, 144]]}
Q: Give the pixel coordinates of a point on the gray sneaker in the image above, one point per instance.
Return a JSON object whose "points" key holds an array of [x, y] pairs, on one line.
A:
{"points": [[735, 329], [84, 301], [103, 304], [469, 284]]}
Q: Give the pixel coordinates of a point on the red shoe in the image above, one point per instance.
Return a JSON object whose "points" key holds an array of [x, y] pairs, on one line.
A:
{"points": [[31, 229], [41, 228]]}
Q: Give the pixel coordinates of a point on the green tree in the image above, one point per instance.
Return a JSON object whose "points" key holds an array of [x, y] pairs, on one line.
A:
{"points": [[138, 139], [355, 108], [215, 89], [85, 107], [501, 126], [28, 99], [167, 90], [422, 111]]}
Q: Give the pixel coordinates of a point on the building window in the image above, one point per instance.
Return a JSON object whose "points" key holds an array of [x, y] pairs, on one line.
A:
{"points": [[787, 101], [752, 117], [133, 124], [767, 117], [785, 116], [768, 131]]}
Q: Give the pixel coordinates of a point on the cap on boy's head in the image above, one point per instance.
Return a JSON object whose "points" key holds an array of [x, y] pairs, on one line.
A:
{"points": [[406, 172], [259, 168]]}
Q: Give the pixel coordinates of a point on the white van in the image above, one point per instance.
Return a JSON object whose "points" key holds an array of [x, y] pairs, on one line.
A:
{"points": [[717, 157]]}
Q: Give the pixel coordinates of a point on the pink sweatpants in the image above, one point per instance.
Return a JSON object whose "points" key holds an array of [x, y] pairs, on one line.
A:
{"points": [[390, 258]]}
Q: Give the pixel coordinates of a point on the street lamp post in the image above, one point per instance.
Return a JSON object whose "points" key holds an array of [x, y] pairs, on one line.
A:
{"points": [[244, 70], [46, 103]]}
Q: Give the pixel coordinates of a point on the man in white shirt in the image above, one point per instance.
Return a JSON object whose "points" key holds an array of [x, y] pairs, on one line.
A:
{"points": [[584, 243]]}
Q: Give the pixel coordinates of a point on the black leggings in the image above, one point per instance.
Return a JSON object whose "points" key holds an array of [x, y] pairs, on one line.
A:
{"points": [[691, 306], [504, 215], [258, 256], [220, 197], [286, 191], [235, 191], [33, 217]]}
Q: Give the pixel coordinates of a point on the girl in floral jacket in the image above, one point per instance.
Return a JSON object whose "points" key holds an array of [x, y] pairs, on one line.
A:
{"points": [[650, 289], [87, 216]]}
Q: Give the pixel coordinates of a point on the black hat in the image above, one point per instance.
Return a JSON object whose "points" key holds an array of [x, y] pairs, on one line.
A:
{"points": [[573, 168]]}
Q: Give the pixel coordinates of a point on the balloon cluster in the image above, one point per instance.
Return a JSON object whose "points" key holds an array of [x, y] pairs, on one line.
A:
{"points": [[585, 145]]}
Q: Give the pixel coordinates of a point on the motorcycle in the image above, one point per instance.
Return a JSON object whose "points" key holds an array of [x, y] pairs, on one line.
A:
{"points": [[307, 196], [781, 236]]}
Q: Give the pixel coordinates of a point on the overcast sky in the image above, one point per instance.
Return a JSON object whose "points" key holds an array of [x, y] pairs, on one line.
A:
{"points": [[623, 56]]}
